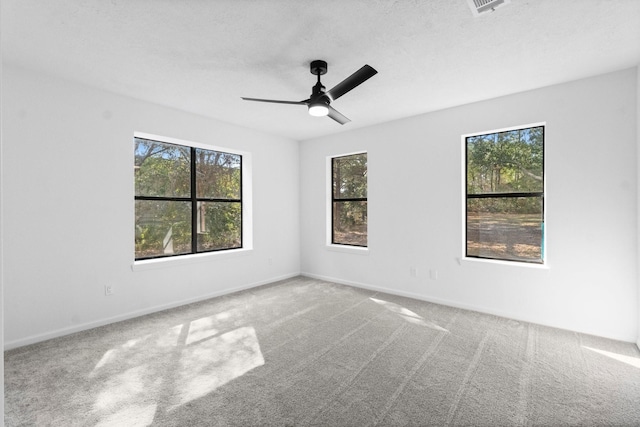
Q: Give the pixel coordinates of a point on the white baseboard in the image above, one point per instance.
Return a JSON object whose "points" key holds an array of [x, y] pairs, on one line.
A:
{"points": [[412, 295], [8, 345], [456, 304]]}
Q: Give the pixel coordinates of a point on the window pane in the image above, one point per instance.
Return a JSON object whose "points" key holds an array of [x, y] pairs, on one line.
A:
{"points": [[505, 228], [161, 169], [219, 225], [217, 175], [350, 223], [350, 176], [505, 162], [162, 228]]}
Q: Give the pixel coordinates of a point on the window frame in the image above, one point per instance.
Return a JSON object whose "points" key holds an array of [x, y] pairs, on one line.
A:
{"points": [[331, 200], [193, 200], [542, 195]]}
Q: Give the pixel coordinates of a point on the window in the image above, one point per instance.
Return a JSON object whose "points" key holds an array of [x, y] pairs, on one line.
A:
{"points": [[187, 199], [505, 195], [349, 200]]}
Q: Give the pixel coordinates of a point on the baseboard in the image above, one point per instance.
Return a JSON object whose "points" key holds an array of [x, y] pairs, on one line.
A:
{"points": [[9, 345], [406, 294], [456, 304]]}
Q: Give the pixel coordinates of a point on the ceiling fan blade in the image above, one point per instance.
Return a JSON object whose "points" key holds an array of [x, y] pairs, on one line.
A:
{"points": [[355, 79], [275, 101], [337, 116]]}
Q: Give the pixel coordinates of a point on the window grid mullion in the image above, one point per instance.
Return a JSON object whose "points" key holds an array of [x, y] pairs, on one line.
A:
{"points": [[505, 195], [194, 203], [163, 199], [214, 200], [350, 199]]}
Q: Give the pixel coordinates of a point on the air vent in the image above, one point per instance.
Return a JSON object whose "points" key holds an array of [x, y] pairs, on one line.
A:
{"points": [[481, 7]]}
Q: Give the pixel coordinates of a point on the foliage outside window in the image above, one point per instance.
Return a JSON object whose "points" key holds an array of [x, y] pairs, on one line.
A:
{"points": [[349, 200], [187, 200], [505, 195]]}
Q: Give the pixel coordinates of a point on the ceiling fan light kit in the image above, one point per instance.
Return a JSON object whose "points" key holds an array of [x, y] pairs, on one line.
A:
{"points": [[319, 109], [319, 103]]}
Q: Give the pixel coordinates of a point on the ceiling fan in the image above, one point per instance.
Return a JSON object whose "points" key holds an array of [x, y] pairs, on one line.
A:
{"points": [[319, 103]]}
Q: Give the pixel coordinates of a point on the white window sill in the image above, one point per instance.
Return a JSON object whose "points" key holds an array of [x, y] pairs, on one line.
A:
{"points": [[349, 249], [151, 264], [471, 261]]}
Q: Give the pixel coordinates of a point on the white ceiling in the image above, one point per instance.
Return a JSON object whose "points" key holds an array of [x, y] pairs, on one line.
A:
{"points": [[203, 55]]}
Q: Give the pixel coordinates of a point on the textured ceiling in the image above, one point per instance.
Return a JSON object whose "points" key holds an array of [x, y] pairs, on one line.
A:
{"points": [[202, 56]]}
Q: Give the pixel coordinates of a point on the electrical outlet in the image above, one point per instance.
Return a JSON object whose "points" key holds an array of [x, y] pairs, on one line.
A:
{"points": [[433, 274], [413, 272], [108, 290], [270, 260]]}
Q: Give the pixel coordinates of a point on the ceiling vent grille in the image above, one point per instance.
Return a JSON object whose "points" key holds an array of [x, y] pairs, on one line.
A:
{"points": [[481, 7]]}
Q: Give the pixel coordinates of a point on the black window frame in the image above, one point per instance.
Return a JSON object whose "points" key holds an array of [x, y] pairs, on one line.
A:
{"points": [[511, 195], [335, 200], [194, 200]]}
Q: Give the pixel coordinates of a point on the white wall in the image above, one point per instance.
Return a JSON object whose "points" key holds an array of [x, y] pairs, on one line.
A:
{"points": [[1, 265], [415, 208], [68, 211], [68, 208], [638, 174]]}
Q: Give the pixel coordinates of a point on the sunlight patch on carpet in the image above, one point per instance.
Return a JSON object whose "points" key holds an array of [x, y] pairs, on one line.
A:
{"points": [[133, 416], [212, 363], [407, 314], [160, 372], [201, 329], [629, 360]]}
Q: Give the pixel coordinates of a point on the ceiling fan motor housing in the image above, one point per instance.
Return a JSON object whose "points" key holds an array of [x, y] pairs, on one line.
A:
{"points": [[318, 91], [318, 67]]}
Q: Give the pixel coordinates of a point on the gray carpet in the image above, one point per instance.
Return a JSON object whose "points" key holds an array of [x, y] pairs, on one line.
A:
{"points": [[303, 352]]}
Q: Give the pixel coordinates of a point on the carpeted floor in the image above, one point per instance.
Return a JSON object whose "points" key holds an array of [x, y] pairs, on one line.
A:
{"points": [[304, 352]]}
